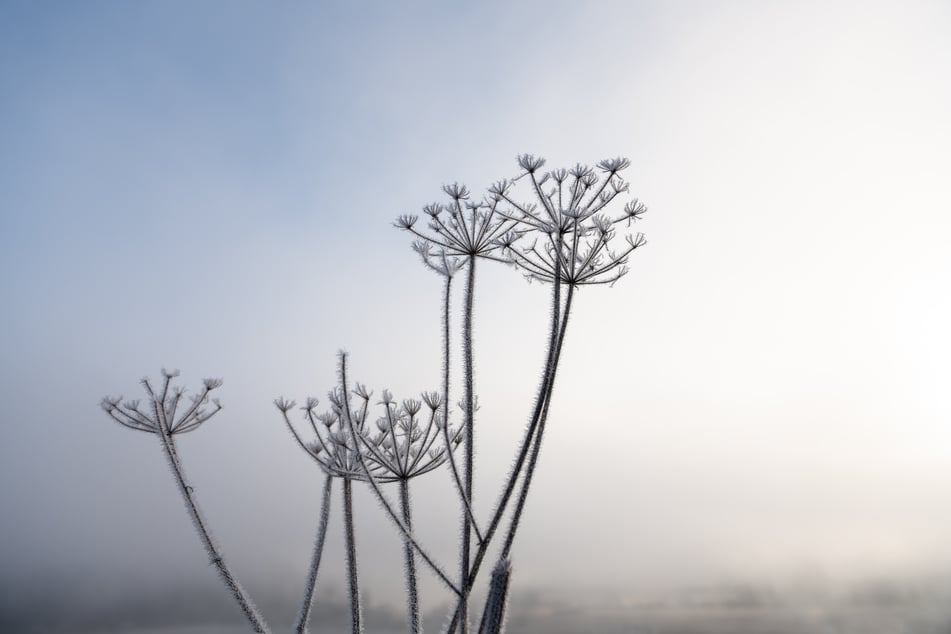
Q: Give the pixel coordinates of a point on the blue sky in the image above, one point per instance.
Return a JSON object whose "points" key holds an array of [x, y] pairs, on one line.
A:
{"points": [[211, 187]]}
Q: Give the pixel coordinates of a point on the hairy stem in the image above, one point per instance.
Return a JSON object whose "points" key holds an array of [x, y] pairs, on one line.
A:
{"points": [[468, 441], [300, 627], [356, 612], [493, 617], [375, 485], [412, 594], [537, 442], [556, 333], [453, 468], [214, 552]]}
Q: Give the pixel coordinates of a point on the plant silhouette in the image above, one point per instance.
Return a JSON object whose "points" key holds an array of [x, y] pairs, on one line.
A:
{"points": [[554, 227]]}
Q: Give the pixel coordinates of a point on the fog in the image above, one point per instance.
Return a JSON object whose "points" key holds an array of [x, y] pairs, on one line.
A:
{"points": [[803, 607], [760, 404]]}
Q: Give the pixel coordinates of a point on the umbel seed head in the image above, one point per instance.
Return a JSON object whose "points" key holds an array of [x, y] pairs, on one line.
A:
{"points": [[163, 414]]}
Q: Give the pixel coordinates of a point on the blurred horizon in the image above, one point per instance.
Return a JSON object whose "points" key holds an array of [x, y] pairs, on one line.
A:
{"points": [[760, 401], [803, 606]]}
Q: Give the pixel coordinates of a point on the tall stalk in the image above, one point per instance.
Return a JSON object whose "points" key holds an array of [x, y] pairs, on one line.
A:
{"points": [[214, 552], [375, 485], [468, 442], [356, 610], [556, 333], [453, 468], [303, 616], [493, 617], [409, 553], [537, 443], [165, 419]]}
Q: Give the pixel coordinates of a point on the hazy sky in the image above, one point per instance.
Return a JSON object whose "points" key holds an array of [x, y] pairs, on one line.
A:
{"points": [[211, 187]]}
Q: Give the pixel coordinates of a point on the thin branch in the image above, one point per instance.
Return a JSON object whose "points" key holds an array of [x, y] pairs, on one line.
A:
{"points": [[375, 487], [303, 616]]}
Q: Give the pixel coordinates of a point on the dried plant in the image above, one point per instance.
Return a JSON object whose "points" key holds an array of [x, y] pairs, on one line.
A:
{"points": [[554, 227], [167, 415], [330, 449], [403, 447], [374, 461], [469, 231], [560, 236]]}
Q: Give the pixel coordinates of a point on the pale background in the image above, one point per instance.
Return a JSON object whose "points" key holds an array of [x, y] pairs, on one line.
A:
{"points": [[210, 187]]}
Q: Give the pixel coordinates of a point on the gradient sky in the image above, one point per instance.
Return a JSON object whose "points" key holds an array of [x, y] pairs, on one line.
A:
{"points": [[211, 187]]}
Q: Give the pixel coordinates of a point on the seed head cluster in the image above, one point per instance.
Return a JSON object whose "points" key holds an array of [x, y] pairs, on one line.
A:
{"points": [[402, 442], [168, 410], [562, 230]]}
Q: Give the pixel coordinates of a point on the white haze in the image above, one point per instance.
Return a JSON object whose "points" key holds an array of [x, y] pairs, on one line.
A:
{"points": [[763, 398]]}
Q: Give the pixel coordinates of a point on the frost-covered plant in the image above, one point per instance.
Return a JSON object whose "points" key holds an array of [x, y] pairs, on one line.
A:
{"points": [[378, 467], [168, 414], [561, 236], [554, 227], [467, 230], [335, 460], [564, 239], [403, 447]]}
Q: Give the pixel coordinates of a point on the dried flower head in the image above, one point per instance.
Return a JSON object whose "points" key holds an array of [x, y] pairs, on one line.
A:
{"points": [[406, 221], [406, 444], [433, 400], [456, 191], [283, 404], [563, 233], [614, 165], [402, 447], [438, 260], [460, 228], [530, 163], [163, 413], [330, 443]]}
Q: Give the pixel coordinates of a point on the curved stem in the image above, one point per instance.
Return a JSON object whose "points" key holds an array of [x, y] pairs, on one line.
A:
{"points": [[356, 615], [412, 594], [537, 443], [524, 447], [555, 335], [300, 627], [375, 485], [214, 552]]}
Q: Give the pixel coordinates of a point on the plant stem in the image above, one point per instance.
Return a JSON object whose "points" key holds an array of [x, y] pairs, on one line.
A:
{"points": [[412, 594], [300, 627], [468, 441], [446, 297], [537, 442], [556, 335], [356, 616], [214, 552], [494, 614], [493, 617], [453, 469], [375, 486]]}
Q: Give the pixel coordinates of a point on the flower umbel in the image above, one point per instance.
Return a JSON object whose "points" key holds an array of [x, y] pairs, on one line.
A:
{"points": [[457, 228], [164, 413], [564, 233], [402, 447]]}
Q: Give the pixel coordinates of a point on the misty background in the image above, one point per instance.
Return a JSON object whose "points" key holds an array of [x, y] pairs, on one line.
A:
{"points": [[760, 404]]}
